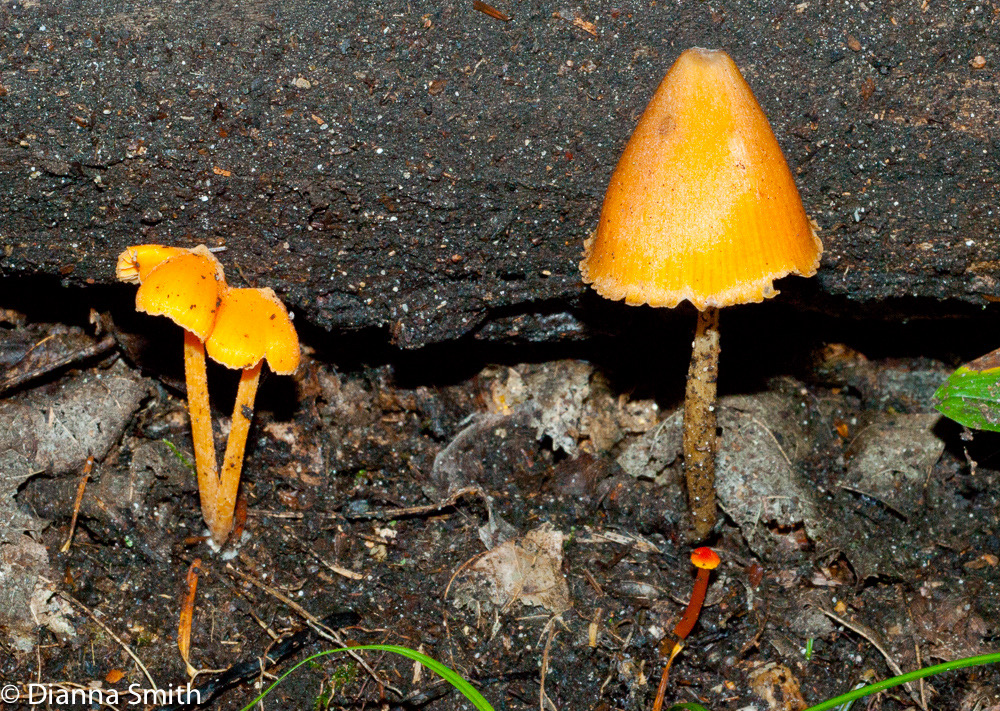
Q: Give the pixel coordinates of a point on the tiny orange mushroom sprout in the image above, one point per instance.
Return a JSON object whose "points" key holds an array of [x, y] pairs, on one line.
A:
{"points": [[701, 207], [252, 325], [705, 560], [185, 285]]}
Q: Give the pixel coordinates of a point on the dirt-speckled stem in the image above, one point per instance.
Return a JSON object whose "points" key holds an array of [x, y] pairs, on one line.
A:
{"points": [[700, 424]]}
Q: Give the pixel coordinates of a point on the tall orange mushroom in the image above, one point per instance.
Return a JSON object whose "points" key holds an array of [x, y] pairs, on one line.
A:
{"points": [[701, 207], [252, 325], [185, 285]]}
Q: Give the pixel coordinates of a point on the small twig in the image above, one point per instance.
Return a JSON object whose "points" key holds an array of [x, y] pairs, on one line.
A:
{"points": [[543, 698], [19, 378], [923, 689], [315, 623], [490, 11], [69, 598], [898, 512], [79, 499], [346, 572], [390, 514]]}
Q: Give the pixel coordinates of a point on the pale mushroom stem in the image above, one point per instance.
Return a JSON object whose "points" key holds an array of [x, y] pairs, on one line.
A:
{"points": [[201, 425], [232, 464], [700, 424]]}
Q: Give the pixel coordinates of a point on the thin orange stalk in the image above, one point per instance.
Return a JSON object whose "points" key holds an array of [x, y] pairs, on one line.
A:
{"points": [[686, 623], [232, 464], [706, 560], [201, 426], [187, 617]]}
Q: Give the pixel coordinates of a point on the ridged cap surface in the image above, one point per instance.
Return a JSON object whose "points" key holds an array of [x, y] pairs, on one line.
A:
{"points": [[702, 205]]}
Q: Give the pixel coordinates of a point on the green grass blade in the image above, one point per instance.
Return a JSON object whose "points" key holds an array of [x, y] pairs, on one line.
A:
{"points": [[435, 666], [689, 706], [904, 678]]}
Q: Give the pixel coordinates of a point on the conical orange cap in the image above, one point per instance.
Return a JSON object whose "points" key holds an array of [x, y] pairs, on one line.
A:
{"points": [[254, 324], [186, 288], [702, 205]]}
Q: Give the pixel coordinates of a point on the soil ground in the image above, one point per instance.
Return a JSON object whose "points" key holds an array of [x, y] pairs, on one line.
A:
{"points": [[349, 475]]}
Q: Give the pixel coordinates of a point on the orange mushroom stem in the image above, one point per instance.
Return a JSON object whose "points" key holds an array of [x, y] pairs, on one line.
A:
{"points": [[705, 560], [252, 325], [232, 463], [184, 285]]}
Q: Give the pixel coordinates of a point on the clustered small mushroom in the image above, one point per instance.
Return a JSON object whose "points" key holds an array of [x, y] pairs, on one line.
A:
{"points": [[701, 207], [239, 328]]}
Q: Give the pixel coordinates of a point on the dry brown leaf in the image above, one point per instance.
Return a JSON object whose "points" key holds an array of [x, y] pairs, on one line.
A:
{"points": [[527, 570]]}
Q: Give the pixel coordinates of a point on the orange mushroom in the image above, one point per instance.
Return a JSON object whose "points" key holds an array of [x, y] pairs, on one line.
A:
{"points": [[185, 285], [252, 325], [701, 207], [705, 560]]}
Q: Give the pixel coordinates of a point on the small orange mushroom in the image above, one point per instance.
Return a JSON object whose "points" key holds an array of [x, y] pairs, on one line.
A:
{"points": [[701, 207], [705, 560], [185, 285], [252, 325]]}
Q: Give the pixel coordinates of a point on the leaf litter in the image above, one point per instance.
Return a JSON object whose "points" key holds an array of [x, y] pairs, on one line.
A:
{"points": [[577, 509]]}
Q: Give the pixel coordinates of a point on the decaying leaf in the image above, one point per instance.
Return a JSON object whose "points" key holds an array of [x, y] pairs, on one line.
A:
{"points": [[891, 459], [55, 429], [27, 598], [756, 479], [526, 570], [51, 429], [572, 404], [776, 684]]}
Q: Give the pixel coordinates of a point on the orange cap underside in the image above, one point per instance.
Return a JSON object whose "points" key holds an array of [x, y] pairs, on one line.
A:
{"points": [[702, 205], [254, 324], [185, 288]]}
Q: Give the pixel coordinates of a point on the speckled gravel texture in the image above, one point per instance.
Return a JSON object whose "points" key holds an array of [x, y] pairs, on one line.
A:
{"points": [[426, 170]]}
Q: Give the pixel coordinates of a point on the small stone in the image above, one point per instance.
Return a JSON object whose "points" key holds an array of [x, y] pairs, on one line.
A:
{"points": [[302, 83], [853, 43], [151, 217], [977, 62]]}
